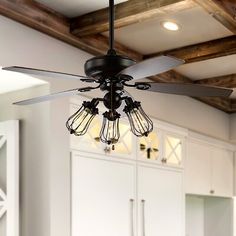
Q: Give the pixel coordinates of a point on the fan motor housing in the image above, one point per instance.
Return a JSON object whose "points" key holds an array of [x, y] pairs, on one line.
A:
{"points": [[106, 66]]}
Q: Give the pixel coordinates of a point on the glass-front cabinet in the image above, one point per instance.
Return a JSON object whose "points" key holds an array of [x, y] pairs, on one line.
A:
{"points": [[161, 147], [173, 150], [149, 147], [90, 141]]}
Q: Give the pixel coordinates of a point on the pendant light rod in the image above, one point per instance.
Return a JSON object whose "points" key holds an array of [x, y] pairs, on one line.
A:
{"points": [[111, 26]]}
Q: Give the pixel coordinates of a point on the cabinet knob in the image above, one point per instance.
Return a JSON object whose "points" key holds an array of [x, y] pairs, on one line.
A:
{"points": [[212, 191], [107, 150], [164, 160]]}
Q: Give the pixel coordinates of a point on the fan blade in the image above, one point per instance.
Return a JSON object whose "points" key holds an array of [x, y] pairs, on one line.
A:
{"points": [[192, 90], [45, 73], [53, 96], [152, 66]]}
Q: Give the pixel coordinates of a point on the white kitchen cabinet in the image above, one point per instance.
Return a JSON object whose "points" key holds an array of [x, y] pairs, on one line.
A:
{"points": [[90, 142], [102, 197], [125, 198], [163, 148], [222, 172], [160, 202], [198, 168], [208, 170], [173, 150]]}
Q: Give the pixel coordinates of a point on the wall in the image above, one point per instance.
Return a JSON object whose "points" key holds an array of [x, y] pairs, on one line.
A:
{"points": [[45, 175]]}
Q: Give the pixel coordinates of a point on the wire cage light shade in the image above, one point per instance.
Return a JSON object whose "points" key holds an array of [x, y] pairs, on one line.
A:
{"points": [[79, 122], [140, 123], [110, 132]]}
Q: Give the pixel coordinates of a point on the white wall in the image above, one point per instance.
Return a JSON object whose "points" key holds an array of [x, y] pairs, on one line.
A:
{"points": [[45, 172]]}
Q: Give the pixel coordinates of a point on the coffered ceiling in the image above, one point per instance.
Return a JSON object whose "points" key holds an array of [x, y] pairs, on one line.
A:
{"points": [[206, 39]]}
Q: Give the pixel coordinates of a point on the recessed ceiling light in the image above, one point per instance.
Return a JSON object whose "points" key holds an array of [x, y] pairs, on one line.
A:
{"points": [[170, 25]]}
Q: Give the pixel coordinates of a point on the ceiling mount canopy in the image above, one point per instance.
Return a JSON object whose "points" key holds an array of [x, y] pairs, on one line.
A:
{"points": [[111, 73]]}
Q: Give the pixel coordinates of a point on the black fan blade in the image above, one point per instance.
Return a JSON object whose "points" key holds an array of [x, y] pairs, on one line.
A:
{"points": [[192, 90], [53, 96], [45, 73], [151, 67]]}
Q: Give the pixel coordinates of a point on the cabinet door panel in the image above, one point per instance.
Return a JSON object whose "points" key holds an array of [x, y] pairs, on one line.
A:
{"points": [[101, 193], [222, 172], [198, 169], [162, 211]]}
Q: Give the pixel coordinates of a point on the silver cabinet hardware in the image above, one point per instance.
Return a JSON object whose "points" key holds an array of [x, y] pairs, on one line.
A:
{"points": [[131, 217], [143, 216]]}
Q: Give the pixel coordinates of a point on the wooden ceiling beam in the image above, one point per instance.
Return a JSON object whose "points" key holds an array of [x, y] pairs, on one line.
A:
{"points": [[233, 106], [223, 11], [202, 51], [130, 12], [41, 18]]}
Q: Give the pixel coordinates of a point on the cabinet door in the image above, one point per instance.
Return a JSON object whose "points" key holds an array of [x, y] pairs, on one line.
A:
{"points": [[160, 201], [198, 169], [222, 172], [173, 150], [101, 197]]}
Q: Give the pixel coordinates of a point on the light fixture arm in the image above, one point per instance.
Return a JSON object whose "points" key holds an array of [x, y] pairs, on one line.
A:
{"points": [[111, 50]]}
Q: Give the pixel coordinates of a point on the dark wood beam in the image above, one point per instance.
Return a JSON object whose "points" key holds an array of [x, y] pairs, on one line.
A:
{"points": [[202, 51], [130, 12], [223, 11], [41, 18], [227, 81], [233, 106]]}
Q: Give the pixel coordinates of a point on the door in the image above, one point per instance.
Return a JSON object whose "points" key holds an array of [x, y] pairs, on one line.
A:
{"points": [[198, 168], [222, 172], [9, 178], [102, 197], [160, 202]]}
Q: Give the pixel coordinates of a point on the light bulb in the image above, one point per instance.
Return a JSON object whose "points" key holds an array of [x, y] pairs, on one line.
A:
{"points": [[79, 122], [110, 133], [140, 123]]}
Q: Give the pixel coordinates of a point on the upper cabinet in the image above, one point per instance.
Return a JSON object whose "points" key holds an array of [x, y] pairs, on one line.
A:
{"points": [[208, 169], [90, 141], [162, 147]]}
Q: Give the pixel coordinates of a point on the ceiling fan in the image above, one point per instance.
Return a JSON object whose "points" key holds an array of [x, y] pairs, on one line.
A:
{"points": [[112, 73]]}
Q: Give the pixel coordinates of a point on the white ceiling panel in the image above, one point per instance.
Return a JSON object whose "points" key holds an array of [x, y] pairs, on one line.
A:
{"points": [[149, 36], [210, 68], [72, 8], [12, 81]]}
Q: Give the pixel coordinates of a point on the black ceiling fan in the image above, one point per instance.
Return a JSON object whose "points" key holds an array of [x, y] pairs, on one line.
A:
{"points": [[112, 73]]}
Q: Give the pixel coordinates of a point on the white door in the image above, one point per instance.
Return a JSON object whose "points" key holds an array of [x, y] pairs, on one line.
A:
{"points": [[198, 168], [9, 178], [160, 201], [222, 172], [102, 197]]}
